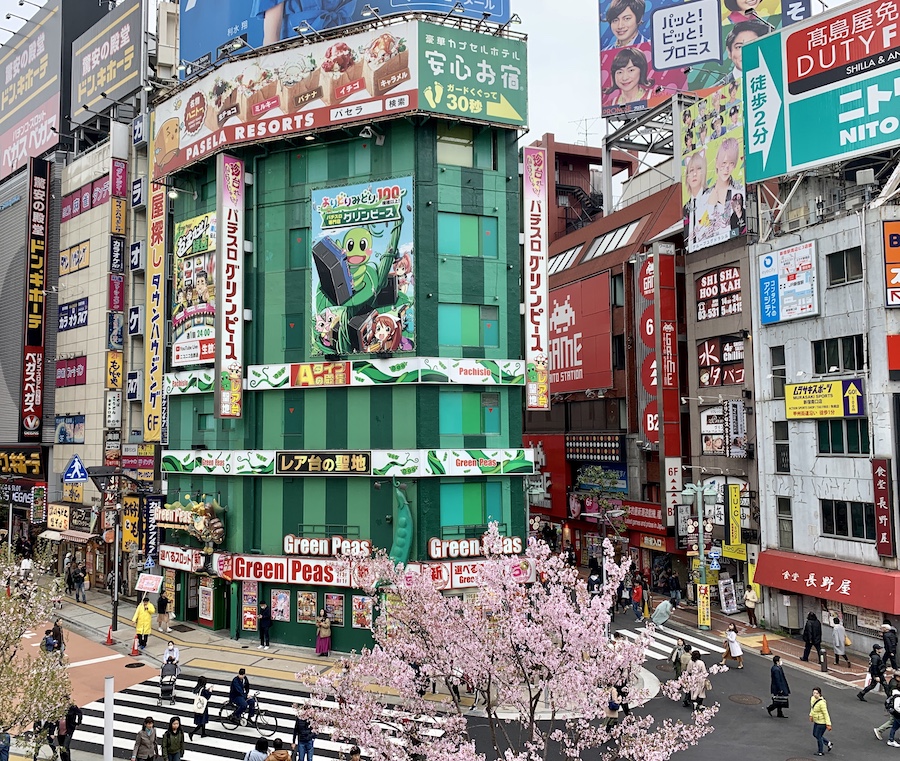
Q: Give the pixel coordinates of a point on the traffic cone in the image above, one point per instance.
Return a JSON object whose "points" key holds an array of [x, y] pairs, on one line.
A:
{"points": [[134, 646], [765, 647], [109, 639]]}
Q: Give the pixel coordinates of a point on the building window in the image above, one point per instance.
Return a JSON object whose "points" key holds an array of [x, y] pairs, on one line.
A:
{"points": [[785, 524], [782, 447], [617, 290], [837, 355], [618, 352], [845, 266], [472, 503], [206, 422], [852, 520], [650, 492], [469, 413], [455, 144], [468, 325], [467, 235], [850, 436], [779, 371]]}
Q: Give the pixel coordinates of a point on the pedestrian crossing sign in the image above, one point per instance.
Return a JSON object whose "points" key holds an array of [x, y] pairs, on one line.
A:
{"points": [[75, 473]]}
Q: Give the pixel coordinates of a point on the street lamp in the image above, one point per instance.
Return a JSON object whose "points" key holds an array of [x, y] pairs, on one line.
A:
{"points": [[703, 496]]}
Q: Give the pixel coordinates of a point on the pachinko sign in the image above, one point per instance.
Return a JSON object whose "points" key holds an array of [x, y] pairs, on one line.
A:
{"points": [[537, 295]]}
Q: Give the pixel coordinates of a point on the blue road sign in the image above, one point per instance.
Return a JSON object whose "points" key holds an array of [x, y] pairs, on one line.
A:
{"points": [[75, 473]]}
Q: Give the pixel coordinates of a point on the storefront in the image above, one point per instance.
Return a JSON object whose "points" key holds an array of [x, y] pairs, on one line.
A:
{"points": [[195, 594], [653, 552]]}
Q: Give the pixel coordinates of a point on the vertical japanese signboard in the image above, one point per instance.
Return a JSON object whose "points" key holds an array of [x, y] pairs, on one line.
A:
{"points": [[154, 332], [537, 296], [31, 419], [229, 377], [667, 396], [734, 513], [645, 351], [153, 503], [884, 522], [891, 232]]}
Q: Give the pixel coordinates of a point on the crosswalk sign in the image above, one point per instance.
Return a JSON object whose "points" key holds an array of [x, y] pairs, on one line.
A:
{"points": [[149, 564], [75, 473]]}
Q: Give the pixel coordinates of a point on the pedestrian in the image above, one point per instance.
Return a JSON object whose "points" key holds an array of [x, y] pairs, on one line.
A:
{"points": [[354, 753], [173, 741], [875, 674], [889, 637], [699, 680], [66, 727], [812, 636], [779, 689], [264, 623], [162, 613], [143, 621], [259, 752], [674, 587], [67, 562], [839, 640], [569, 554], [78, 577], [202, 696], [675, 656], [686, 658], [5, 743], [821, 721], [612, 709], [146, 744], [623, 598], [646, 598], [733, 648], [69, 569], [892, 706], [637, 599], [893, 684], [323, 634], [57, 632], [239, 695], [44, 734], [172, 652], [663, 612], [48, 643], [279, 752], [750, 601], [303, 739]]}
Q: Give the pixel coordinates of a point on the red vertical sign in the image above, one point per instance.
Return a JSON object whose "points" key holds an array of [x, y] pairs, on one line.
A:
{"points": [[884, 524], [670, 413]]}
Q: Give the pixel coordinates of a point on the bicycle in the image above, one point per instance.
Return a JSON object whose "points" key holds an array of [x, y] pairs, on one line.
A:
{"points": [[259, 721]]}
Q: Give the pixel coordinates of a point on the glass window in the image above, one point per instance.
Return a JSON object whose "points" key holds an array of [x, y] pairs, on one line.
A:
{"points": [[850, 436], [298, 249], [467, 235], [617, 290], [845, 266], [618, 351], [782, 447], [468, 325], [785, 524], [469, 413], [838, 355], [779, 371], [206, 422], [469, 505], [455, 144], [851, 520]]}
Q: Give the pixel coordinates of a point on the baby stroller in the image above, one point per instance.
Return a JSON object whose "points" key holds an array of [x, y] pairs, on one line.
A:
{"points": [[168, 675]]}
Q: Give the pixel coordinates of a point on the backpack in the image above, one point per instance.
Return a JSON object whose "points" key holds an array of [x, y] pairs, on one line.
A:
{"points": [[48, 644], [890, 705], [200, 704]]}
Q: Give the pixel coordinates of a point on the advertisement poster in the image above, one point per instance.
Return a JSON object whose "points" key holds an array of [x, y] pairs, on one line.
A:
{"points": [[363, 281], [281, 604], [249, 604], [205, 609], [307, 607], [712, 169], [334, 607], [788, 287], [170, 585], [537, 323], [69, 429], [194, 289], [363, 606], [650, 49]]}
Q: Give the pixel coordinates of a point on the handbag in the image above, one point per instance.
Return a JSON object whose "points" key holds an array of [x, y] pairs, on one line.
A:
{"points": [[868, 680], [847, 641], [707, 686], [781, 701]]}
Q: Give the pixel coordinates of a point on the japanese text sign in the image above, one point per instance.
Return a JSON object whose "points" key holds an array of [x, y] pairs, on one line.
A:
{"points": [[155, 314], [884, 523], [718, 293], [788, 288], [825, 399], [23, 460], [194, 283], [117, 215], [73, 315], [114, 369], [323, 463], [892, 263], [537, 296]]}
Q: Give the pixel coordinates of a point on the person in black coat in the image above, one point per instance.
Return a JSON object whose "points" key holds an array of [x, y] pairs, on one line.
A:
{"points": [[812, 636], [779, 687], [889, 637], [264, 623], [876, 669]]}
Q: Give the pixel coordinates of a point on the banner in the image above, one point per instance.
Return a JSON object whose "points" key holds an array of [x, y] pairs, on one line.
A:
{"points": [[363, 284], [155, 315], [229, 329], [537, 296], [884, 520], [194, 286], [712, 169]]}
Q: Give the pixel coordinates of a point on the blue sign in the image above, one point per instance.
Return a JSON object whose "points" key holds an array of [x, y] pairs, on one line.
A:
{"points": [[149, 563], [73, 315], [75, 473], [714, 565], [714, 552], [788, 287]]}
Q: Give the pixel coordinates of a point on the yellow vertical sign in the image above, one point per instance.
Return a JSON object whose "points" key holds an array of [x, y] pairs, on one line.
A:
{"points": [[703, 614], [155, 315], [131, 509], [734, 514]]}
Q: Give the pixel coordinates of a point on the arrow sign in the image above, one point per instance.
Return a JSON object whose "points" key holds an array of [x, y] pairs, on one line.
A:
{"points": [[503, 110], [852, 395], [75, 473]]}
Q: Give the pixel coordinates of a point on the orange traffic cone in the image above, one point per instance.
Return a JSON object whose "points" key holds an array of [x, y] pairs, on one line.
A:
{"points": [[134, 646], [109, 639], [765, 647]]}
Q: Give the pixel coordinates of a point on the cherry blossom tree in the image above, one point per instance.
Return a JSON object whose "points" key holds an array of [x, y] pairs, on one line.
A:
{"points": [[532, 645]]}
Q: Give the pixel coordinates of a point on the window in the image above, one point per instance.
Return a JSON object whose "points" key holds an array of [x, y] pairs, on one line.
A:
{"points": [[650, 492], [785, 524], [559, 262], [206, 422], [845, 266], [612, 240], [617, 290], [782, 447], [467, 235], [455, 144], [837, 355], [468, 325], [469, 413], [298, 249], [472, 503], [853, 520], [779, 371], [850, 436], [618, 352]]}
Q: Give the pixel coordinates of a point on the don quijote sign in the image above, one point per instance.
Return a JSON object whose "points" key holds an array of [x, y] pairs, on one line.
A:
{"points": [[334, 546], [181, 558]]}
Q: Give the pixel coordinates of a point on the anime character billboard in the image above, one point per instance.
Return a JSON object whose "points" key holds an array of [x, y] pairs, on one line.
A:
{"points": [[363, 289]]}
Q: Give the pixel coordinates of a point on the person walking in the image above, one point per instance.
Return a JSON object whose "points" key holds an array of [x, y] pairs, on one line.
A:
{"points": [[162, 613], [637, 601], [812, 636], [889, 637], [821, 721], [779, 689], [893, 684], [686, 658], [674, 587], [264, 623], [259, 752], [876, 672], [323, 634], [69, 575], [699, 680], [733, 649], [172, 652], [57, 632], [143, 621], [65, 729], [279, 752], [78, 577], [146, 744], [202, 696], [892, 705], [839, 641], [663, 612], [45, 733], [173, 741], [675, 657], [750, 601], [303, 739]]}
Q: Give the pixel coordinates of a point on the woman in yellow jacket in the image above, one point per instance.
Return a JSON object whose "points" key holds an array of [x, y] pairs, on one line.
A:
{"points": [[143, 621], [821, 721]]}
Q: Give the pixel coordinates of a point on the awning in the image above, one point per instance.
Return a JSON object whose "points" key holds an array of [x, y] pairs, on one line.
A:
{"points": [[851, 583], [50, 535], [79, 537]]}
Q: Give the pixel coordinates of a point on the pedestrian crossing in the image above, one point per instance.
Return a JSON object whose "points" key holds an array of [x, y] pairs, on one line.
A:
{"points": [[135, 703], [664, 641]]}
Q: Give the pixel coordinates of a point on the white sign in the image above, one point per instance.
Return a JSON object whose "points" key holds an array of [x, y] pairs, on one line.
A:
{"points": [[537, 293], [674, 487], [113, 409], [787, 284], [181, 558], [75, 473], [147, 582], [686, 34]]}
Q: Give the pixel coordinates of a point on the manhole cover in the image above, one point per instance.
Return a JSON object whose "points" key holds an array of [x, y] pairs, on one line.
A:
{"points": [[183, 628], [745, 700], [134, 665], [664, 667]]}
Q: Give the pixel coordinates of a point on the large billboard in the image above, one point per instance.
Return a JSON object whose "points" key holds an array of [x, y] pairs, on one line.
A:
{"points": [[535, 202], [364, 76], [106, 59], [210, 27], [652, 48], [713, 189], [194, 291], [788, 287], [29, 98], [363, 281], [836, 71]]}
